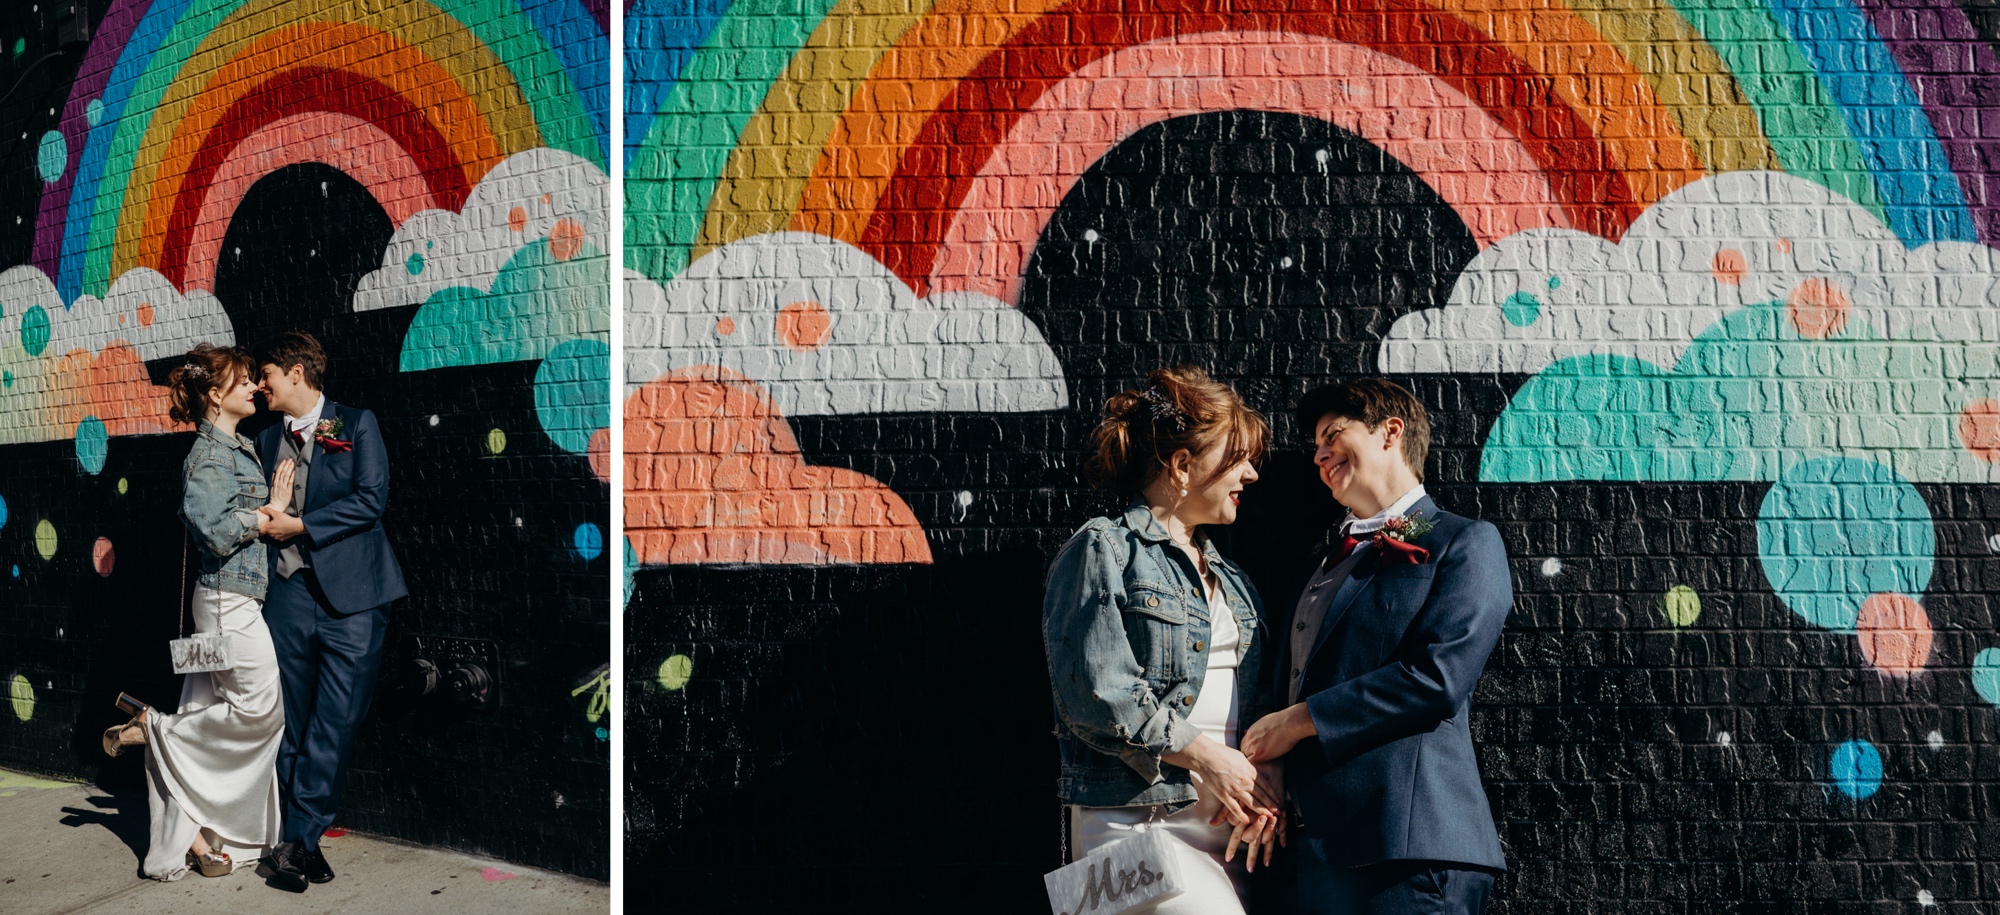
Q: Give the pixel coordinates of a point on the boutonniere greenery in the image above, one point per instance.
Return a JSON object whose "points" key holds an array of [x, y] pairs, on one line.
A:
{"points": [[327, 435], [1393, 542]]}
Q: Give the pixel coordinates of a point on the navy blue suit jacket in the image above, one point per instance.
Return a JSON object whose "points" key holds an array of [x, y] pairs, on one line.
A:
{"points": [[346, 494], [1389, 682]]}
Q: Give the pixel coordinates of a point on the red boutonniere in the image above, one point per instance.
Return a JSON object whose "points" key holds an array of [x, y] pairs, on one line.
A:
{"points": [[325, 433], [1393, 542]]}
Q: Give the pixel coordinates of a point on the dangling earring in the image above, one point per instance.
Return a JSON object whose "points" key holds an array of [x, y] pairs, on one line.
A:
{"points": [[1183, 492]]}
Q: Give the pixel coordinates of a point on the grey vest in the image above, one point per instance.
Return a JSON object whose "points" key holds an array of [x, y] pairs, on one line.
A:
{"points": [[1311, 613], [294, 555]]}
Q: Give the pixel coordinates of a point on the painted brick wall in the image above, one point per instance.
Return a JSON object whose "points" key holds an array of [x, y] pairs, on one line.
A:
{"points": [[1701, 297], [423, 191]]}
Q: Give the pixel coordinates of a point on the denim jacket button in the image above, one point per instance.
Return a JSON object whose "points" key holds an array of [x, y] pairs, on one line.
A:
{"points": [[1197, 646], [1187, 700], [1152, 602]]}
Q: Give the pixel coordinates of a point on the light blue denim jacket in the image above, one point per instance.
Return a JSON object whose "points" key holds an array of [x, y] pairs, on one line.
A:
{"points": [[1126, 625], [223, 486]]}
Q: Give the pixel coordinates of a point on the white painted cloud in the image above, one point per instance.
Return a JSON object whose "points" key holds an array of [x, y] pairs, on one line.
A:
{"points": [[1650, 294], [141, 309], [522, 200], [755, 306]]}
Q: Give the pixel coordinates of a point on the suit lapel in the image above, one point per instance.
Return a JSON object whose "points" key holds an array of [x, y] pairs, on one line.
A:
{"points": [[1343, 598], [1356, 581], [315, 477]]}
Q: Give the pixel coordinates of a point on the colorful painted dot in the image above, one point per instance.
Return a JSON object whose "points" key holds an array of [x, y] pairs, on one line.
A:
{"points": [[675, 671], [1986, 675], [1555, 282], [35, 330], [1681, 605], [566, 239], [496, 441], [45, 539], [517, 219], [1729, 266], [1521, 309], [23, 694], [414, 263], [1835, 531], [588, 540], [7, 378], [725, 325], [3, 512], [103, 557], [93, 442], [52, 156], [1856, 769], [1979, 429], [1895, 634], [145, 311], [1818, 308], [603, 734], [804, 326], [94, 112], [124, 486], [17, 570], [572, 393], [20, 46]]}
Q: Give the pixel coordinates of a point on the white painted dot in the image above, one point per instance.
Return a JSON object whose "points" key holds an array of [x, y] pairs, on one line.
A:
{"points": [[1925, 899], [1723, 738], [1935, 739], [1322, 156], [239, 252], [1993, 543], [519, 522], [1090, 235], [1551, 567], [322, 189], [965, 497], [59, 633], [1287, 262], [312, 252], [434, 419]]}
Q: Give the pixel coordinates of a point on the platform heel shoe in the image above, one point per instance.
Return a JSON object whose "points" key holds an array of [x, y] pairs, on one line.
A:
{"points": [[116, 741], [213, 864]]}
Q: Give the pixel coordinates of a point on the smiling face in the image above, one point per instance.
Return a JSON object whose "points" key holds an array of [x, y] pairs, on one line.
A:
{"points": [[1363, 468], [235, 397], [1214, 491], [287, 391]]}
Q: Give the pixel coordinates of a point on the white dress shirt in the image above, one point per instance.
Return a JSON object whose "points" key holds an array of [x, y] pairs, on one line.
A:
{"points": [[303, 425], [1359, 528]]}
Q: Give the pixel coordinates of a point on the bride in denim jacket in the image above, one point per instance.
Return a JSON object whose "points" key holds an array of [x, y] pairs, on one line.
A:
{"points": [[1153, 641], [211, 764]]}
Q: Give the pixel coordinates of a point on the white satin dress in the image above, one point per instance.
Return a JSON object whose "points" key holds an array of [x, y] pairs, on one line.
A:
{"points": [[1214, 888], [211, 766]]}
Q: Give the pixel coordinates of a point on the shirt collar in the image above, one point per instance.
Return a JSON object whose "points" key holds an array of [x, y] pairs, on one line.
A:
{"points": [[312, 416], [1354, 527]]}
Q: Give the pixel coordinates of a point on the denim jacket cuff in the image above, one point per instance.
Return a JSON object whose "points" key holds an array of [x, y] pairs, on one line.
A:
{"points": [[249, 520], [1165, 732]]}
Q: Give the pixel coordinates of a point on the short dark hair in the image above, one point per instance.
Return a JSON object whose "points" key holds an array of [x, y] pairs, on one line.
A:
{"points": [[1372, 401], [294, 347]]}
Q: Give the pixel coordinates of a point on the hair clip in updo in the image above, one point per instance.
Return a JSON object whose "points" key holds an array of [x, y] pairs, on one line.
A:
{"points": [[1162, 408], [194, 370]]}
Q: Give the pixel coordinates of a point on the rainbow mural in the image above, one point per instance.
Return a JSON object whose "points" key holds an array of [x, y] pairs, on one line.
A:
{"points": [[481, 127], [181, 105], [939, 137]]}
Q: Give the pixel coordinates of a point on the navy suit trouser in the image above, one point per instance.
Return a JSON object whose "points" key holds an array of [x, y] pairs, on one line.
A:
{"points": [[327, 664], [1391, 888]]}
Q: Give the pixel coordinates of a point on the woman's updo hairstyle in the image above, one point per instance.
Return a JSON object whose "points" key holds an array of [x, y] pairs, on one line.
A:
{"points": [[1179, 407], [203, 369]]}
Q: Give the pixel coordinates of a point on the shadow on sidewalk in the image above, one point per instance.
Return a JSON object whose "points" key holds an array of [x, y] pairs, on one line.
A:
{"points": [[120, 810]]}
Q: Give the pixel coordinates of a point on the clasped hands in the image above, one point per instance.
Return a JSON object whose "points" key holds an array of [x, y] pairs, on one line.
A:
{"points": [[1250, 783], [276, 522]]}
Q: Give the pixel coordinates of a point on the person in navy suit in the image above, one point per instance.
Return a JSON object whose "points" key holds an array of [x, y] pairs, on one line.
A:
{"points": [[333, 577], [1379, 664]]}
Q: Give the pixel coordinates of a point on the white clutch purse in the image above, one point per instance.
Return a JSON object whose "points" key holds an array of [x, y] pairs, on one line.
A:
{"points": [[200, 652], [1118, 877]]}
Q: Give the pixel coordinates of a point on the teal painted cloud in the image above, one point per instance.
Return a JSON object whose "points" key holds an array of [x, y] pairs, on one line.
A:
{"points": [[1750, 399], [537, 301], [573, 393]]}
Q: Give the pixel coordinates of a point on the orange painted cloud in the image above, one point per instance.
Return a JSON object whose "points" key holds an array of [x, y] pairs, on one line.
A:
{"points": [[714, 475]]}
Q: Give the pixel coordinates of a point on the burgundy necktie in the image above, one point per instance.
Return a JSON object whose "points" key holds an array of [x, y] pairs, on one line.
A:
{"points": [[1346, 549], [298, 438]]}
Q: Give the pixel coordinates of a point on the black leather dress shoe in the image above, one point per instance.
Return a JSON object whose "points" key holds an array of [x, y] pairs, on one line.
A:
{"points": [[281, 867], [314, 865]]}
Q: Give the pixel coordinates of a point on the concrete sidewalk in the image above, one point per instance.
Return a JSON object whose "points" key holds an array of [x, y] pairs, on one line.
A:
{"points": [[67, 847]]}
